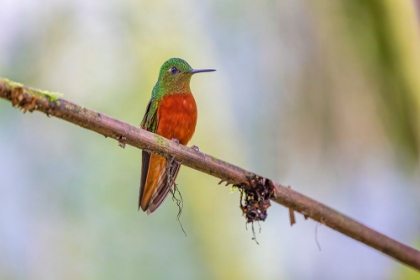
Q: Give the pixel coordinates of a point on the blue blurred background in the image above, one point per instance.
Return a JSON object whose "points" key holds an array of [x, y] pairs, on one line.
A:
{"points": [[320, 95]]}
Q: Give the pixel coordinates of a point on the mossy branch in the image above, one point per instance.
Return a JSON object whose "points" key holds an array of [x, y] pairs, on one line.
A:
{"points": [[31, 99]]}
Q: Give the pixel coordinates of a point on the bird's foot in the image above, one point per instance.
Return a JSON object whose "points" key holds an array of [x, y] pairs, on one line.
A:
{"points": [[195, 148], [175, 140]]}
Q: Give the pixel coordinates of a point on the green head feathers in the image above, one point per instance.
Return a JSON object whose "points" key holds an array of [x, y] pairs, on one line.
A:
{"points": [[178, 63], [174, 77]]}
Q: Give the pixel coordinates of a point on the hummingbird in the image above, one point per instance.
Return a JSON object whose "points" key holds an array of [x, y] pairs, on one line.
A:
{"points": [[171, 113]]}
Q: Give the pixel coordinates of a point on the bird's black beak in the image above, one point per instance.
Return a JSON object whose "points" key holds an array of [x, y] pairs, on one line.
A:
{"points": [[201, 70]]}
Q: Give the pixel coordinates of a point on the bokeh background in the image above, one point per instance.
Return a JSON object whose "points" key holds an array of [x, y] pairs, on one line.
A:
{"points": [[320, 95]]}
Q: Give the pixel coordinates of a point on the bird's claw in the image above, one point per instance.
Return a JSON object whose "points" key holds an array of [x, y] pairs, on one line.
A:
{"points": [[175, 140], [195, 148]]}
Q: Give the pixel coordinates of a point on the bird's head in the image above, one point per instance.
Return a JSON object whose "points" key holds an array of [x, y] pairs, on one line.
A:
{"points": [[175, 75]]}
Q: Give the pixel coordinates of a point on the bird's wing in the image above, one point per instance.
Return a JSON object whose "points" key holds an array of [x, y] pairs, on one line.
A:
{"points": [[149, 123], [163, 184], [150, 120], [157, 178], [144, 170]]}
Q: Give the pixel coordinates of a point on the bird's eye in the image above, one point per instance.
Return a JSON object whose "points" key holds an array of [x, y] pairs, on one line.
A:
{"points": [[173, 70]]}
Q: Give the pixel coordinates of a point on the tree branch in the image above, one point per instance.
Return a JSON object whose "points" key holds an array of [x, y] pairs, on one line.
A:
{"points": [[30, 99]]}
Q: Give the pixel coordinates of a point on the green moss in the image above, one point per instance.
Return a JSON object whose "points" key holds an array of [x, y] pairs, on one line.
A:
{"points": [[12, 84], [233, 188], [160, 140], [213, 158], [51, 95]]}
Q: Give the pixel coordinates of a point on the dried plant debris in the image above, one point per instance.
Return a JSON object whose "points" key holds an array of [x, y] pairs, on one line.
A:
{"points": [[24, 102], [26, 98], [254, 201], [172, 168], [180, 203]]}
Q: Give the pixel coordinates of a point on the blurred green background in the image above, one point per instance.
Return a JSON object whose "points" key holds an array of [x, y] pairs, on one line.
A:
{"points": [[320, 95]]}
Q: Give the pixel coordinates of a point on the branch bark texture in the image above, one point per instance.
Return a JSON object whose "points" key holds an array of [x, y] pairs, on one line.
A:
{"points": [[30, 99]]}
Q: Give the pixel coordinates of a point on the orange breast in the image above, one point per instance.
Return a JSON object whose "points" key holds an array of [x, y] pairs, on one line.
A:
{"points": [[177, 117]]}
